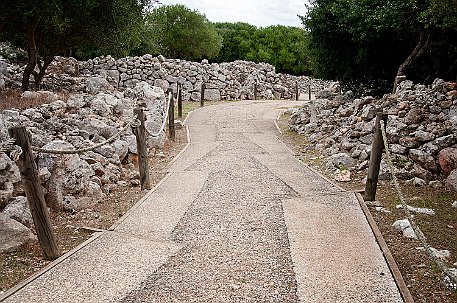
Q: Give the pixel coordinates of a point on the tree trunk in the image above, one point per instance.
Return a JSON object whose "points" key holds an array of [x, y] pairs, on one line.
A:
{"points": [[421, 47], [31, 51], [42, 72]]}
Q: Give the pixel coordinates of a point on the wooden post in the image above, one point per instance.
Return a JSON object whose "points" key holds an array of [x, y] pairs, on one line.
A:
{"points": [[375, 159], [142, 149], [180, 100], [309, 92], [255, 90], [171, 118], [34, 193], [297, 93], [202, 95]]}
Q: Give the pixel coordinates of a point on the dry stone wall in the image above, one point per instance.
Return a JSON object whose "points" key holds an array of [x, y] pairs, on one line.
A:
{"points": [[421, 128], [224, 81]]}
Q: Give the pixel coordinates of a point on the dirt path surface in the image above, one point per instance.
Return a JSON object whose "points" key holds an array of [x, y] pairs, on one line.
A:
{"points": [[237, 219]]}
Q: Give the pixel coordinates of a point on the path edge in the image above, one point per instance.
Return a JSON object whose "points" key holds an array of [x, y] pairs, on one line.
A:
{"points": [[395, 271]]}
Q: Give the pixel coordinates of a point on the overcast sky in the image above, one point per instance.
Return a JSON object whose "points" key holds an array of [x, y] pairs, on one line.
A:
{"points": [[256, 12]]}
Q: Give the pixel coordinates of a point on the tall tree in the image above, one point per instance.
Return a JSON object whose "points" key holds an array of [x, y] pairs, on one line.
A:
{"points": [[46, 28], [179, 32], [368, 42], [284, 47]]}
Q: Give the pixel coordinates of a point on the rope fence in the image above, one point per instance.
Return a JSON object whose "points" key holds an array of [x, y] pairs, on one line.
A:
{"points": [[21, 151], [164, 122], [420, 235]]}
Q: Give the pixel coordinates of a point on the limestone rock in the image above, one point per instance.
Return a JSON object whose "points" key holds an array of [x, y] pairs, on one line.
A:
{"points": [[405, 227], [18, 209], [95, 85], [14, 234], [447, 159], [451, 180]]}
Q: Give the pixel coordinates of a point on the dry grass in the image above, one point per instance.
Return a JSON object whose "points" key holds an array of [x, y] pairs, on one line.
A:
{"points": [[11, 98]]}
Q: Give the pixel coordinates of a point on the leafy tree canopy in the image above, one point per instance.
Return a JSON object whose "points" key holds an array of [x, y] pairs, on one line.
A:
{"points": [[179, 32], [46, 28], [369, 42], [282, 46]]}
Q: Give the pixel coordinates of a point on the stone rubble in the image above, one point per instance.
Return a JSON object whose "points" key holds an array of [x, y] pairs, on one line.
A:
{"points": [[421, 130], [418, 210], [404, 227], [76, 181]]}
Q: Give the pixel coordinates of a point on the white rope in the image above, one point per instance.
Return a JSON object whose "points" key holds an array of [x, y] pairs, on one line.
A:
{"points": [[420, 235], [86, 149], [164, 120]]}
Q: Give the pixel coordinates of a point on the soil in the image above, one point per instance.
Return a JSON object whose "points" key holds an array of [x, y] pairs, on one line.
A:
{"points": [[424, 280]]}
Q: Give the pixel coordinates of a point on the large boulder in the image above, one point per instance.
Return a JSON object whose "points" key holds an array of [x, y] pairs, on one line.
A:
{"points": [[14, 234], [95, 85], [212, 94], [18, 209], [447, 158]]}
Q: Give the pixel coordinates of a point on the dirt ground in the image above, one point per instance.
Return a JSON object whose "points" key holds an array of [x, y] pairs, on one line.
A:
{"points": [[423, 278]]}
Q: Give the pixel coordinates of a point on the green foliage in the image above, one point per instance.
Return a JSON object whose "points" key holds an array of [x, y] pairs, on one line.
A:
{"points": [[284, 47], [47, 28], [175, 31], [366, 43]]}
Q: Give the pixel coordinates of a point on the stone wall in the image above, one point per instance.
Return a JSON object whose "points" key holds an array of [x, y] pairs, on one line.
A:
{"points": [[224, 81], [422, 130]]}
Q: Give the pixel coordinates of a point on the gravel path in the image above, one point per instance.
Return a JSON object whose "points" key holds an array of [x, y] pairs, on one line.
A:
{"points": [[235, 237], [237, 219]]}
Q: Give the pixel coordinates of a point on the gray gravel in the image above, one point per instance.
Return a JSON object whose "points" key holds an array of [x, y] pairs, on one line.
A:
{"points": [[235, 237]]}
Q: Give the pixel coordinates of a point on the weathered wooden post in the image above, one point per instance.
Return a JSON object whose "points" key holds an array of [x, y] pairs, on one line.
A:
{"points": [[171, 118], [309, 92], [34, 193], [142, 149], [202, 95], [255, 90], [180, 100], [297, 93], [375, 159]]}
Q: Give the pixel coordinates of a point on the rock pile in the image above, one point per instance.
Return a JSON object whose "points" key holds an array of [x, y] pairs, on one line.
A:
{"points": [[224, 81], [75, 181], [421, 129]]}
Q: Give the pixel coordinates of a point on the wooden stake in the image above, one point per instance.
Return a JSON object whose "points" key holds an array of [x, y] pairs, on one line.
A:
{"points": [[309, 92], [375, 159], [180, 100], [142, 149], [34, 193], [255, 90], [202, 95], [171, 118], [296, 91]]}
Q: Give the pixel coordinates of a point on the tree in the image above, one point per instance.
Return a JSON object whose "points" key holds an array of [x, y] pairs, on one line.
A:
{"points": [[46, 28], [282, 46], [178, 32], [368, 42], [238, 40]]}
